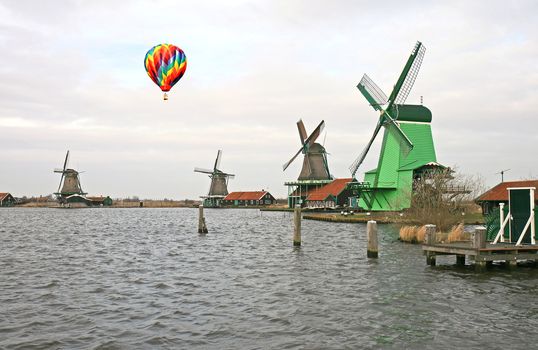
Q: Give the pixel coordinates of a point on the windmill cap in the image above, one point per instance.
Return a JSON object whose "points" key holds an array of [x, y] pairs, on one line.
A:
{"points": [[412, 113]]}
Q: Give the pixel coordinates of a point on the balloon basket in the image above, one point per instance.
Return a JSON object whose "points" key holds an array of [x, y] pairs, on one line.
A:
{"points": [[165, 97]]}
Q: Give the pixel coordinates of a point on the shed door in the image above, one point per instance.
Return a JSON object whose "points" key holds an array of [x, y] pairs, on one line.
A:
{"points": [[520, 207]]}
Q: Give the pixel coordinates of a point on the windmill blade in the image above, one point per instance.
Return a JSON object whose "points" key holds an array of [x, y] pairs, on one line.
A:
{"points": [[405, 144], [286, 165], [315, 134], [302, 131], [373, 94], [60, 185], [407, 77], [355, 166], [231, 176], [66, 161], [58, 170], [326, 164], [202, 170], [412, 75], [217, 161], [78, 182]]}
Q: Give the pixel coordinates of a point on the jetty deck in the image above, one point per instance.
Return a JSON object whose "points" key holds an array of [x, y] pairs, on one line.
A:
{"points": [[492, 252], [481, 252]]}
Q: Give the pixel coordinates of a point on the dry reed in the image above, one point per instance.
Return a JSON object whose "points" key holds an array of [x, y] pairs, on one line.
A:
{"points": [[456, 234], [408, 234], [421, 234]]}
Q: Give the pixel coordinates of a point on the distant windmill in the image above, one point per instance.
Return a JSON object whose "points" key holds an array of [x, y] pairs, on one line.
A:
{"points": [[502, 174], [69, 182], [315, 166], [407, 149], [219, 182]]}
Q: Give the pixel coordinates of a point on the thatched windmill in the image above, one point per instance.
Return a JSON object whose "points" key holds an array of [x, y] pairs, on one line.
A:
{"points": [[219, 183], [315, 166], [69, 182]]}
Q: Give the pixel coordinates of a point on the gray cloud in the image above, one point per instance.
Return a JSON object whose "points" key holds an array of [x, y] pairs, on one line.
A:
{"points": [[71, 77]]}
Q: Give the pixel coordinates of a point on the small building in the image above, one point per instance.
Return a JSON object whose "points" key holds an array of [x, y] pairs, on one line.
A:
{"points": [[77, 200], [300, 189], [491, 199], [6, 199], [100, 201], [332, 195], [253, 198]]}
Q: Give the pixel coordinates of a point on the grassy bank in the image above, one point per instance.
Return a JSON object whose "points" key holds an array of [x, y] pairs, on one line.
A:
{"points": [[383, 218]]}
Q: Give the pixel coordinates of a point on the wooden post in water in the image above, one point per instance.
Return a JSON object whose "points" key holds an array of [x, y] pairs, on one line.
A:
{"points": [[297, 225], [478, 240], [202, 228], [460, 260], [430, 240], [371, 234]]}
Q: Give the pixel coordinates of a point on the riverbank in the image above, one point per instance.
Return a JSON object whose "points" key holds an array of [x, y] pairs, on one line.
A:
{"points": [[382, 218]]}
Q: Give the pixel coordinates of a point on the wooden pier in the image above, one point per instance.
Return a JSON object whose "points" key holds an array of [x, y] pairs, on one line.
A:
{"points": [[483, 253]]}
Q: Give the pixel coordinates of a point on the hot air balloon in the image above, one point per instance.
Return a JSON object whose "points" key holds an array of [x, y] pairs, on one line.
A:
{"points": [[165, 64]]}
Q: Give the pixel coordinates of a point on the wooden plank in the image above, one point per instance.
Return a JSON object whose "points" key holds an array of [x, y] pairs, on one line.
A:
{"points": [[449, 250], [495, 257], [513, 247]]}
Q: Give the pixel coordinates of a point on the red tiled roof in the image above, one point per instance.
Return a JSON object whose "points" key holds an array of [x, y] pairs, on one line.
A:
{"points": [[334, 188], [245, 196], [500, 192], [3, 195]]}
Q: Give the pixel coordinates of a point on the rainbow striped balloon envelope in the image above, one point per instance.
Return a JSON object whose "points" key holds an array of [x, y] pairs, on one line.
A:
{"points": [[165, 64]]}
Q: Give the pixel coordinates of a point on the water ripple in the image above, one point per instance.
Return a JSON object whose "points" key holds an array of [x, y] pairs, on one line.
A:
{"points": [[143, 278]]}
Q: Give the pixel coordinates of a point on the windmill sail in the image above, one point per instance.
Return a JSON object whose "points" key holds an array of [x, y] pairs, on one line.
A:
{"points": [[287, 164], [407, 77], [407, 85], [373, 94], [358, 161], [202, 170], [302, 131], [217, 161]]}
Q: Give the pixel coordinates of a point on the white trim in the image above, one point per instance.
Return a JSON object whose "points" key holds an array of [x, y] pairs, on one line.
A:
{"points": [[501, 230], [410, 122], [501, 216], [533, 229]]}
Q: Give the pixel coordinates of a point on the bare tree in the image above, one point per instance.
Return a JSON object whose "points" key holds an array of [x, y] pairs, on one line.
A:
{"points": [[440, 196]]}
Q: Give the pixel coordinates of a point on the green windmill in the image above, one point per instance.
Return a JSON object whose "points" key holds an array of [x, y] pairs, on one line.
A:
{"points": [[407, 150]]}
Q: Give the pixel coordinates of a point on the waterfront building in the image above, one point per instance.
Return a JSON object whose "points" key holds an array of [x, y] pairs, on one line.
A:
{"points": [[6, 199], [253, 198]]}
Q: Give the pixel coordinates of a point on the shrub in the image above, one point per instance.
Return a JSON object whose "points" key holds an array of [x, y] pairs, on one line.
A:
{"points": [[439, 197]]}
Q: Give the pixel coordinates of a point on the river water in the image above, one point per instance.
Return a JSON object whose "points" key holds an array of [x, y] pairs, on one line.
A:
{"points": [[144, 278]]}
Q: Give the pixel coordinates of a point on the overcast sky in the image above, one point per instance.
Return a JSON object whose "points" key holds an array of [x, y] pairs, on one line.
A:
{"points": [[72, 77]]}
